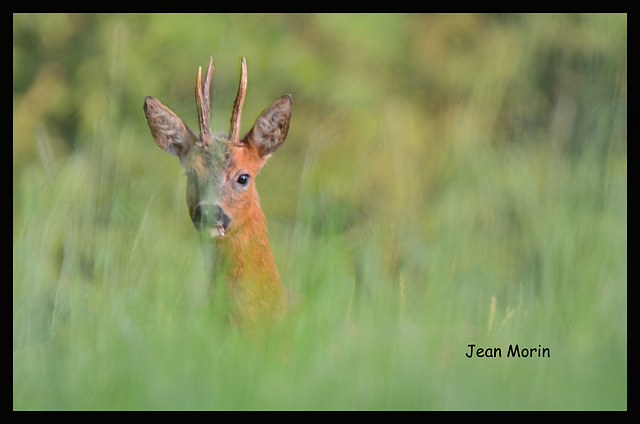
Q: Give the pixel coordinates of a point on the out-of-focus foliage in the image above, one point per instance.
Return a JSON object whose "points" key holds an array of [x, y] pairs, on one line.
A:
{"points": [[547, 76]]}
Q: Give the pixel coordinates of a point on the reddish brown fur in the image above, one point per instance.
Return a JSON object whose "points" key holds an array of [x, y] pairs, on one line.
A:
{"points": [[255, 283]]}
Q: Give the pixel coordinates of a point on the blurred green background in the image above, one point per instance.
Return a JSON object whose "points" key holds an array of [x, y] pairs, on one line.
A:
{"points": [[447, 180]]}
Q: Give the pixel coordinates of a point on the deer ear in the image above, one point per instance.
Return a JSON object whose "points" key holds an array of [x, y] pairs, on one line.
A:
{"points": [[271, 127], [169, 132]]}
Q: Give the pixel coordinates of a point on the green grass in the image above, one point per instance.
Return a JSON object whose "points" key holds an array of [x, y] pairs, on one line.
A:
{"points": [[413, 228], [108, 312]]}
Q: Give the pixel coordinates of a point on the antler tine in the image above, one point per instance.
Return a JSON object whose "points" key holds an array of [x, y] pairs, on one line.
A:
{"points": [[237, 105], [204, 103]]}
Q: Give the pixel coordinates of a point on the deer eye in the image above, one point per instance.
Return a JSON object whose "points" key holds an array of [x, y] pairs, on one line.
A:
{"points": [[243, 179]]}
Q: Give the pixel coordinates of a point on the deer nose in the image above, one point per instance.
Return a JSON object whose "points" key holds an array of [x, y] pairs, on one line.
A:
{"points": [[210, 215]]}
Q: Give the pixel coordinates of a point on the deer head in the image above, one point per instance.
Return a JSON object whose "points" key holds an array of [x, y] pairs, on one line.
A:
{"points": [[220, 169]]}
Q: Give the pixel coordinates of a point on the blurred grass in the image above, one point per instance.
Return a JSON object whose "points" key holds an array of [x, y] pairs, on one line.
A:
{"points": [[436, 165]]}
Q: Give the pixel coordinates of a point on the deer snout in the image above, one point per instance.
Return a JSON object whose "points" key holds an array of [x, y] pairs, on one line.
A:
{"points": [[211, 217]]}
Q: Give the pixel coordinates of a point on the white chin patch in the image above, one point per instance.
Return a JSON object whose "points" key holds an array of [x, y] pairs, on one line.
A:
{"points": [[216, 232]]}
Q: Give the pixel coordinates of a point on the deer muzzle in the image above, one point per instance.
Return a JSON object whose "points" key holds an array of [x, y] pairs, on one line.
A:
{"points": [[211, 218]]}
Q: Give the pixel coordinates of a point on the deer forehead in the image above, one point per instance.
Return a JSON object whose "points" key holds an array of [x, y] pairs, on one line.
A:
{"points": [[203, 161], [220, 162]]}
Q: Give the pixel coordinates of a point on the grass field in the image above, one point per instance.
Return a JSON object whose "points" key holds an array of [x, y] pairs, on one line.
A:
{"points": [[447, 181]]}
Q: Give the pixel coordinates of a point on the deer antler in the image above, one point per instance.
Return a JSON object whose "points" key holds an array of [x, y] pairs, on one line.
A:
{"points": [[237, 105], [204, 104]]}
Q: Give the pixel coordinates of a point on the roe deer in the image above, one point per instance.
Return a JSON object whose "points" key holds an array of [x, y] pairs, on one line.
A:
{"points": [[221, 194]]}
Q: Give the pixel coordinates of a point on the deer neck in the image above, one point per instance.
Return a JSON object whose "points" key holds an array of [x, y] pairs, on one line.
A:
{"points": [[253, 282]]}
